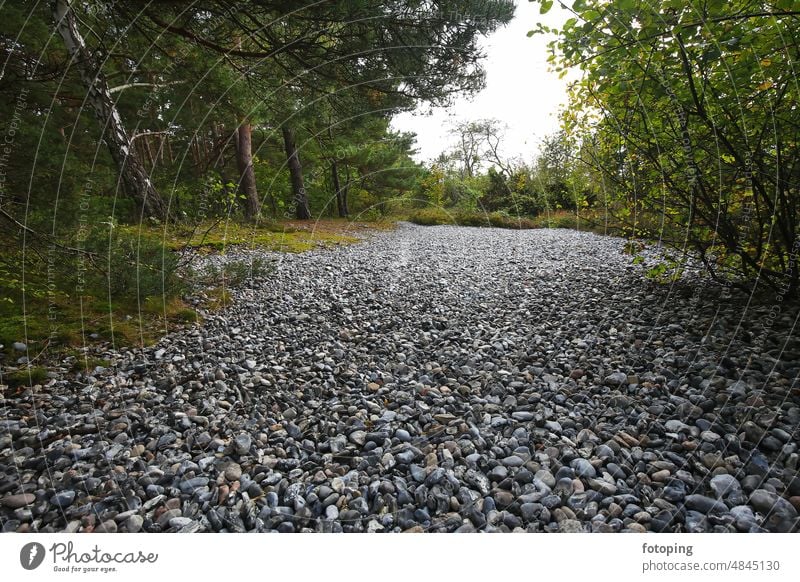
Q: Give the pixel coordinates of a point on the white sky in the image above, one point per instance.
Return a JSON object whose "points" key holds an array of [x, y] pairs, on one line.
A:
{"points": [[520, 91]]}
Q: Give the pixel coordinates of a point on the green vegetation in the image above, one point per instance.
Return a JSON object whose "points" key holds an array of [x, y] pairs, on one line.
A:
{"points": [[686, 113], [128, 284], [28, 376], [436, 216]]}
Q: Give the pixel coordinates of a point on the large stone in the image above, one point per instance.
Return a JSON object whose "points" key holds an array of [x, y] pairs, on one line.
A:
{"points": [[242, 444], [583, 468], [724, 484], [704, 504], [17, 501]]}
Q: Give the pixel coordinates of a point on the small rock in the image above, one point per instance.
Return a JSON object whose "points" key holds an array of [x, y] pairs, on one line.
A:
{"points": [[583, 468], [570, 526], [134, 523], [704, 504], [724, 484], [108, 526], [233, 472], [616, 379], [63, 499], [242, 444]]}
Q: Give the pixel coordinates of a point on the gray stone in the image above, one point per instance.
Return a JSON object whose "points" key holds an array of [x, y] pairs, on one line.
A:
{"points": [[63, 499], [583, 468], [18, 500], [498, 473], [108, 526], [724, 484], [616, 379], [242, 444], [134, 523], [704, 504], [233, 472], [546, 477], [570, 526]]}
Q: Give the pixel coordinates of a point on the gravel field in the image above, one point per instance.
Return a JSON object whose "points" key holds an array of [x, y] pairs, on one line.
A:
{"points": [[428, 379]]}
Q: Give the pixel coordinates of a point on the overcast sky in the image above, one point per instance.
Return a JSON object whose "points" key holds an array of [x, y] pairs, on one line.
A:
{"points": [[519, 90]]}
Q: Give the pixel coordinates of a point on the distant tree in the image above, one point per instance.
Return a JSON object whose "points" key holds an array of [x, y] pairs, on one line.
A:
{"points": [[478, 142]]}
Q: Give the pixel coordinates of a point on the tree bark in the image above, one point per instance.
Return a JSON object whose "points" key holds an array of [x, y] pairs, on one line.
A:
{"points": [[247, 176], [302, 210], [341, 199], [133, 175], [346, 190]]}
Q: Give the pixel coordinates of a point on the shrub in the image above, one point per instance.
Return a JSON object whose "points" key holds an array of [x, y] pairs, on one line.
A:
{"points": [[431, 217], [438, 216], [235, 273], [131, 266]]}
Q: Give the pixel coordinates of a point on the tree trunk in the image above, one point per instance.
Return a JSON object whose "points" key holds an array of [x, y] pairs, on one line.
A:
{"points": [[133, 176], [247, 176], [341, 201], [346, 190], [302, 210]]}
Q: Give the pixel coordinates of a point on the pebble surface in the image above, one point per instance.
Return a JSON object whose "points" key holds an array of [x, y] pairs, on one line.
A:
{"points": [[437, 379]]}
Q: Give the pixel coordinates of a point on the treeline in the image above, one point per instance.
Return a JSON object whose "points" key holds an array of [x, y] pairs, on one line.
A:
{"points": [[474, 175], [198, 108]]}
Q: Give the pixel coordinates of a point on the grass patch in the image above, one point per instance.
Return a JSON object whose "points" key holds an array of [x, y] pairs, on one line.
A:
{"points": [[217, 298], [234, 273], [61, 321], [25, 377], [86, 364], [560, 219], [216, 236]]}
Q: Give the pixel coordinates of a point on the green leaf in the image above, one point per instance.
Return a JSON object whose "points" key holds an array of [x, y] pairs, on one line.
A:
{"points": [[546, 6], [579, 5]]}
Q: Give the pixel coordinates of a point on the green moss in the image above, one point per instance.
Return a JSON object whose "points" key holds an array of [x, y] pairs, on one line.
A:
{"points": [[272, 236], [142, 307], [187, 315], [88, 364], [218, 298], [27, 377]]}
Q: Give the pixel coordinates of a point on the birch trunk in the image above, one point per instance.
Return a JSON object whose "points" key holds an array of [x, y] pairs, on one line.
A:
{"points": [[133, 175]]}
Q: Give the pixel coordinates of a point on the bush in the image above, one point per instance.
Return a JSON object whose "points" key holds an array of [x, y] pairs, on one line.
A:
{"points": [[235, 273], [503, 220], [439, 216], [560, 219], [431, 217], [131, 266]]}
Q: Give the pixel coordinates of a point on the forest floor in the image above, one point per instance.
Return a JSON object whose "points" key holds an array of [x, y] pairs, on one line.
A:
{"points": [[428, 379]]}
